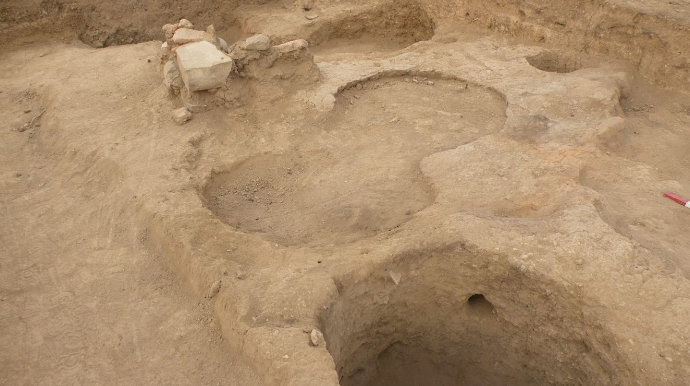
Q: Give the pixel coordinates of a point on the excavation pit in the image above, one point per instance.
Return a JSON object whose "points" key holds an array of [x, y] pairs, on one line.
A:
{"points": [[388, 28], [582, 277], [460, 317], [364, 177]]}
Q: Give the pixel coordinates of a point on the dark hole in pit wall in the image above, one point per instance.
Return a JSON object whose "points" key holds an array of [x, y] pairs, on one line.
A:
{"points": [[479, 305], [553, 61]]}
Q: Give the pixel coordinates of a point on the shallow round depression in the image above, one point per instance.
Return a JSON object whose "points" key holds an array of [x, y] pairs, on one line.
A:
{"points": [[357, 173], [463, 318]]}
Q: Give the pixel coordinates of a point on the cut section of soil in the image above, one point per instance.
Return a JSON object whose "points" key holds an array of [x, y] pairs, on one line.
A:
{"points": [[451, 317]]}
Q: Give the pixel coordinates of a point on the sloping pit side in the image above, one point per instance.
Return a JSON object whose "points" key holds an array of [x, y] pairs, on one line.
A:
{"points": [[112, 23], [555, 61], [391, 26], [455, 316]]}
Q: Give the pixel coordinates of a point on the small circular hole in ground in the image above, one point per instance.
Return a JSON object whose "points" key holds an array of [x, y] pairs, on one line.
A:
{"points": [[357, 174], [383, 29], [552, 61], [479, 305], [436, 326]]}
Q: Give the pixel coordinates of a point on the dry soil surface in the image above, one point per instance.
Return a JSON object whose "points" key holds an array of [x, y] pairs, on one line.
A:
{"points": [[454, 192], [82, 301]]}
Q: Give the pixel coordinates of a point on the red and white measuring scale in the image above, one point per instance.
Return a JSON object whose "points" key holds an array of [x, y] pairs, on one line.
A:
{"points": [[683, 201]]}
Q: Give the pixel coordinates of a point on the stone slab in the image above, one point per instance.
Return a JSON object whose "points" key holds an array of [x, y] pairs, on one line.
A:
{"points": [[291, 46], [258, 43], [186, 35], [203, 66]]}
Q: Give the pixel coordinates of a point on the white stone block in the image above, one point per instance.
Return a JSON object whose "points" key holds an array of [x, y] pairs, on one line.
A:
{"points": [[222, 45], [203, 66]]}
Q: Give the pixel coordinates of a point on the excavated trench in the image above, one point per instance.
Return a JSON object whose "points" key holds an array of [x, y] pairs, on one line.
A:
{"points": [[382, 29], [358, 173], [449, 316], [111, 23], [657, 42], [455, 316]]}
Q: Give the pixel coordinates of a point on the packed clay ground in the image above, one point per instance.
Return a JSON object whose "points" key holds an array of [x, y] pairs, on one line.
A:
{"points": [[433, 192]]}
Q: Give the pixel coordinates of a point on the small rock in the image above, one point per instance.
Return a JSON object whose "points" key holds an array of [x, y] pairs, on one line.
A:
{"points": [[169, 30], [194, 106], [258, 43], [316, 337], [215, 288], [291, 46], [311, 16], [171, 76], [222, 45], [663, 355], [430, 83], [165, 50], [184, 23], [240, 275], [395, 276], [17, 174], [211, 34], [186, 35], [27, 111], [181, 116], [359, 86]]}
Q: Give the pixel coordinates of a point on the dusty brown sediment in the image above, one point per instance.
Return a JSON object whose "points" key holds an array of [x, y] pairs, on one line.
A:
{"points": [[442, 201]]}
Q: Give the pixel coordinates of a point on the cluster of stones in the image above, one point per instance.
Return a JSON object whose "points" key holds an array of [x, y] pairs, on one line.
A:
{"points": [[195, 61]]}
